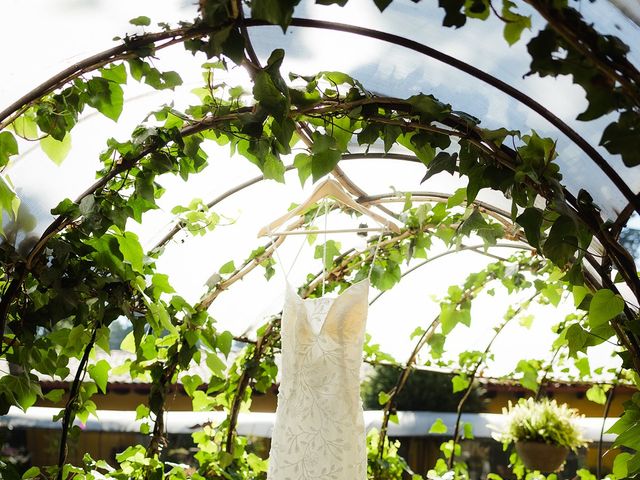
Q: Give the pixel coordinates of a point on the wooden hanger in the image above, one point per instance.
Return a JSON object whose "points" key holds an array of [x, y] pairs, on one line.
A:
{"points": [[328, 188]]}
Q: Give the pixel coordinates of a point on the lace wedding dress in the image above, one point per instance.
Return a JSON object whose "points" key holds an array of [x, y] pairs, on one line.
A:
{"points": [[319, 429]]}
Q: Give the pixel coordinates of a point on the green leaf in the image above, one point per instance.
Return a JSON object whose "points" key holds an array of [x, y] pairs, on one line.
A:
{"points": [[100, 374], [450, 316], [458, 197], [468, 430], [529, 370], [160, 283], [216, 365], [115, 73], [303, 163], [621, 138], [8, 147], [382, 4], [33, 472], [514, 22], [224, 342], [131, 250], [428, 107], [597, 394], [325, 155], [604, 306], [442, 162], [438, 427], [273, 168], [140, 21], [436, 342], [579, 293], [106, 97], [562, 242], [142, 411], [56, 150], [460, 383], [227, 268], [191, 383], [583, 366], [620, 469], [55, 395], [277, 12], [531, 221], [383, 398], [20, 390], [9, 201], [328, 252]]}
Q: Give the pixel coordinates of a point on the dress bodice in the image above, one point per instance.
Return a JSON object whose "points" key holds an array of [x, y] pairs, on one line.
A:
{"points": [[319, 429]]}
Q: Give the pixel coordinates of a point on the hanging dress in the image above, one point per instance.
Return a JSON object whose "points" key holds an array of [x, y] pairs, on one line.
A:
{"points": [[319, 428]]}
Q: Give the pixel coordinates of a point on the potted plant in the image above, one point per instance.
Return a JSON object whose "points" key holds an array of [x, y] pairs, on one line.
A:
{"points": [[543, 432]]}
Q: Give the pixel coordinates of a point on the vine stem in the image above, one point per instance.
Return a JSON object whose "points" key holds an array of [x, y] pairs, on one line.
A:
{"points": [[465, 396], [402, 380], [605, 415], [70, 407]]}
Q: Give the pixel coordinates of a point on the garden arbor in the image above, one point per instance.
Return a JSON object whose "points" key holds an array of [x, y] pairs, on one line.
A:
{"points": [[561, 201]]}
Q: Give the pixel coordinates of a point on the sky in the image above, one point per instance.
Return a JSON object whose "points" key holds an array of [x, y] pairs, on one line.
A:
{"points": [[63, 31]]}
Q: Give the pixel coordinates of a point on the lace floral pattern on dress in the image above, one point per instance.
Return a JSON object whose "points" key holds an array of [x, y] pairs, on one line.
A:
{"points": [[319, 429]]}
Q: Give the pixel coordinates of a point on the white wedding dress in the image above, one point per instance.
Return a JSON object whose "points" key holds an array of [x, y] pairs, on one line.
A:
{"points": [[319, 428]]}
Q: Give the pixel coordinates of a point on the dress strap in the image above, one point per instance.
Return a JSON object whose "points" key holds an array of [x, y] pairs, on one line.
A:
{"points": [[375, 253], [295, 259]]}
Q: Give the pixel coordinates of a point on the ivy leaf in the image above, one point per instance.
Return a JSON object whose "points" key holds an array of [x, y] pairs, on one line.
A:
{"points": [[531, 221], [325, 155], [442, 162], [224, 342], [383, 398], [131, 250], [562, 242], [33, 472], [529, 370], [115, 73], [56, 150], [603, 307], [106, 97], [453, 13], [228, 267], [515, 23], [429, 107], [382, 4], [460, 383], [8, 147], [328, 252], [55, 395], [438, 427], [191, 383], [436, 342], [20, 390], [303, 163], [450, 317], [9, 201], [277, 12], [160, 283], [583, 366], [597, 394], [140, 21], [216, 365], [621, 138], [100, 374], [273, 168]]}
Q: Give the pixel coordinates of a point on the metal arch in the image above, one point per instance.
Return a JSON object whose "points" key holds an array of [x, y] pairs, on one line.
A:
{"points": [[516, 94]]}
